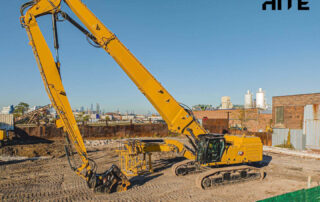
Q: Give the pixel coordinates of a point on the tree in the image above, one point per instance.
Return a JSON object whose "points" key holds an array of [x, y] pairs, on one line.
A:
{"points": [[202, 107], [79, 117], [86, 118], [21, 108]]}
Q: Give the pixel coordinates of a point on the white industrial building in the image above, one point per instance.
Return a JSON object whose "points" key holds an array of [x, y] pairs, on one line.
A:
{"points": [[248, 101], [7, 110], [260, 99], [226, 103], [258, 102]]}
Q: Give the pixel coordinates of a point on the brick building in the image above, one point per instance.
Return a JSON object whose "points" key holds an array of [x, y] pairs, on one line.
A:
{"points": [[287, 111], [254, 120]]}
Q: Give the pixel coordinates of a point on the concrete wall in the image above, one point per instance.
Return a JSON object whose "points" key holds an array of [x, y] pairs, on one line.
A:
{"points": [[117, 131]]}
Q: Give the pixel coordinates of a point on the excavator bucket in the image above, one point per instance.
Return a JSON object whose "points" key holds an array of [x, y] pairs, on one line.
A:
{"points": [[113, 180]]}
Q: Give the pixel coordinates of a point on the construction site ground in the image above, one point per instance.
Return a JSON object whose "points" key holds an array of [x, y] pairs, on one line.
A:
{"points": [[40, 172]]}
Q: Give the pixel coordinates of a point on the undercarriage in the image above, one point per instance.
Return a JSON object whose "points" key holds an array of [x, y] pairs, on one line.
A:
{"points": [[210, 177]]}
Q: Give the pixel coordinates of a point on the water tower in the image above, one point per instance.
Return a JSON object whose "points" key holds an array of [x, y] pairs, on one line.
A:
{"points": [[248, 103]]}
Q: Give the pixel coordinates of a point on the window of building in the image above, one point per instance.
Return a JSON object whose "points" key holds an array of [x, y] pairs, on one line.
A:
{"points": [[279, 115]]}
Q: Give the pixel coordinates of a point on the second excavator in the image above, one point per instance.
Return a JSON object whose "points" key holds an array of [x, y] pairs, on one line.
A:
{"points": [[218, 159]]}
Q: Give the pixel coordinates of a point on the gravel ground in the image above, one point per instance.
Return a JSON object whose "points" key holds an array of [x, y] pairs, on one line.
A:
{"points": [[51, 179]]}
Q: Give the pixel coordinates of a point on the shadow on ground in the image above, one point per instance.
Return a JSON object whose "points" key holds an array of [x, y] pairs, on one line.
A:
{"points": [[162, 164], [158, 166], [266, 160], [17, 161], [142, 179], [22, 138]]}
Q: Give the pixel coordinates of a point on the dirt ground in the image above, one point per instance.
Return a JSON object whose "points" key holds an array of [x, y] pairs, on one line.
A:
{"points": [[51, 179]]}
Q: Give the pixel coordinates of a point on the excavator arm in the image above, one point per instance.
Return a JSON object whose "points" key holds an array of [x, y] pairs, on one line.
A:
{"points": [[112, 179], [177, 117]]}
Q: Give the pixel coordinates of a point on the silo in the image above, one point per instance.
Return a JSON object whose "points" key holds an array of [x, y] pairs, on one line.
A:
{"points": [[248, 100], [260, 99], [226, 102]]}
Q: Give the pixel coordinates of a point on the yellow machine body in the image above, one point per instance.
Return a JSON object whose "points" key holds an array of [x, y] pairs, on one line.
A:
{"points": [[242, 149], [3, 135], [135, 155]]}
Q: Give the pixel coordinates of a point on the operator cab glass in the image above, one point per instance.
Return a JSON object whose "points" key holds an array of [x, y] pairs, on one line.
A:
{"points": [[210, 149]]}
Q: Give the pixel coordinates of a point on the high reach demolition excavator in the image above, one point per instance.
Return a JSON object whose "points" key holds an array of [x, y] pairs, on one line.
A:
{"points": [[219, 159]]}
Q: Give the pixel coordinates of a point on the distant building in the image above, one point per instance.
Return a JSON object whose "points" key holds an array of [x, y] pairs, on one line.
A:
{"points": [[140, 117], [298, 115], [226, 103], [94, 117], [98, 108], [128, 117], [260, 99], [114, 116], [288, 111], [7, 110], [254, 120], [248, 102], [155, 117], [106, 116], [91, 108]]}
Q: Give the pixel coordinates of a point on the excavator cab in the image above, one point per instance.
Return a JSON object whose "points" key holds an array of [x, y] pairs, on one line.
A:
{"points": [[210, 148]]}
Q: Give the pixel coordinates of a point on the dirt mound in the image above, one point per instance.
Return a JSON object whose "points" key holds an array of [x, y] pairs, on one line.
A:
{"points": [[54, 149]]}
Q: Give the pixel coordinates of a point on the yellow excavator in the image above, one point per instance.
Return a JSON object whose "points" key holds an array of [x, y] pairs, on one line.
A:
{"points": [[219, 158]]}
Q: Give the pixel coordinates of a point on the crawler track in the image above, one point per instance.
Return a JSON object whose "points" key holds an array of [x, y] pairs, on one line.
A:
{"points": [[187, 167], [228, 175]]}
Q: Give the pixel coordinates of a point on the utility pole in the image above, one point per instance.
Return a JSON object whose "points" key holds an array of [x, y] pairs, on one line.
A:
{"points": [[228, 117]]}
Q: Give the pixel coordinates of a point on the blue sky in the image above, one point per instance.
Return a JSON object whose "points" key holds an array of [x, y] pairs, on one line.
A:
{"points": [[199, 50]]}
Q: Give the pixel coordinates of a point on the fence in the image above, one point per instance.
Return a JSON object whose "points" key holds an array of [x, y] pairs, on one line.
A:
{"points": [[116, 131], [297, 138], [266, 138], [312, 194], [312, 131], [215, 125]]}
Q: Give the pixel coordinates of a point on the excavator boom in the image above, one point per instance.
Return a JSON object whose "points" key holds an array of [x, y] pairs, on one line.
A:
{"points": [[109, 181]]}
